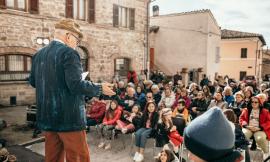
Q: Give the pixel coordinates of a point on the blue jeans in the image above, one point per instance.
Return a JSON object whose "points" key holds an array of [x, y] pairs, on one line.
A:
{"points": [[141, 136]]}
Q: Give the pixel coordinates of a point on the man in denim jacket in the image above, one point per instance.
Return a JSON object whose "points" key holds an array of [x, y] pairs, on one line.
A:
{"points": [[56, 75]]}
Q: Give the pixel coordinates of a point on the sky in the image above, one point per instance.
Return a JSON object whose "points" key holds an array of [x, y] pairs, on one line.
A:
{"points": [[241, 15]]}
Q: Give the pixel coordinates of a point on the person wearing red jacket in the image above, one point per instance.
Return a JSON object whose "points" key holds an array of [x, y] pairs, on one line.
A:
{"points": [[255, 121], [95, 113], [132, 77], [109, 122]]}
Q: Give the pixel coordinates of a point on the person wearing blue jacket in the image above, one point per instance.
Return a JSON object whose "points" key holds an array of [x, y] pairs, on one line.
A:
{"points": [[56, 75]]}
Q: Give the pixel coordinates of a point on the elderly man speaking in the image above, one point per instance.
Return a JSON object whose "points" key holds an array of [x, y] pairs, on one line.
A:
{"points": [[56, 75]]}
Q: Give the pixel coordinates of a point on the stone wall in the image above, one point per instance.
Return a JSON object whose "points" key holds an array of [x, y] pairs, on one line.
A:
{"points": [[103, 42], [23, 92]]}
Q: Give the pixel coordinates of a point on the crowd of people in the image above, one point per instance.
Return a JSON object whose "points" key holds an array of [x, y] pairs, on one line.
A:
{"points": [[171, 112]]}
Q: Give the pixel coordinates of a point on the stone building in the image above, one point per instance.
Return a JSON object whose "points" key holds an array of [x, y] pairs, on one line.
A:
{"points": [[114, 39], [188, 41], [241, 54], [266, 65]]}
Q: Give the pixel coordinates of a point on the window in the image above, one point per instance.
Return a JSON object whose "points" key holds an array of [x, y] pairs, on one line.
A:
{"points": [[20, 5], [16, 4], [77, 9], [243, 74], [14, 67], [121, 66], [84, 57], [2, 63], [217, 59], [243, 52], [123, 17]]}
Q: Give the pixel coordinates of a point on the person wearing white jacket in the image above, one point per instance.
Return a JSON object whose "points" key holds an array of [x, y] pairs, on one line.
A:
{"points": [[167, 98]]}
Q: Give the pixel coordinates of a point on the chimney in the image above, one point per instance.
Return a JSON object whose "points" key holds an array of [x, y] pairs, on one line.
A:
{"points": [[156, 10]]}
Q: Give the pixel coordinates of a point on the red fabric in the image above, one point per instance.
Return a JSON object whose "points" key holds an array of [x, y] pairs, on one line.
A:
{"points": [[132, 74], [264, 120], [117, 115], [177, 97], [97, 111], [176, 138]]}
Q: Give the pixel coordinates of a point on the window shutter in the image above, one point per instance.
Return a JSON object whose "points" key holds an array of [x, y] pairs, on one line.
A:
{"points": [[91, 16], [115, 15], [69, 8], [132, 18], [33, 8], [3, 4]]}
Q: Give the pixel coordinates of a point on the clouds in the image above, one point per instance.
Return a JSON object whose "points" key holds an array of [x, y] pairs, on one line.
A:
{"points": [[243, 15]]}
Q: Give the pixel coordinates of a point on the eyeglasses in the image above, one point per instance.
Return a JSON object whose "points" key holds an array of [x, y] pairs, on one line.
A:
{"points": [[254, 102], [78, 40]]}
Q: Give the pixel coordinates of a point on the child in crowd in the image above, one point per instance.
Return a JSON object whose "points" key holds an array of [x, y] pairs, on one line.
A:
{"points": [[109, 122], [131, 121]]}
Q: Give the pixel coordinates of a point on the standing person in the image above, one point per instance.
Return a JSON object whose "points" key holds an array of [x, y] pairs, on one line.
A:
{"points": [[56, 75], [176, 78], [204, 81], [210, 138], [132, 76]]}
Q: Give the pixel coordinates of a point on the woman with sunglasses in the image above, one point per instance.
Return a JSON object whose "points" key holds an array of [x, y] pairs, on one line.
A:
{"points": [[255, 121]]}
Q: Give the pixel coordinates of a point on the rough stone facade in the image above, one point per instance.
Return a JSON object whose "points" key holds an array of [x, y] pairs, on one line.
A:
{"points": [[102, 41]]}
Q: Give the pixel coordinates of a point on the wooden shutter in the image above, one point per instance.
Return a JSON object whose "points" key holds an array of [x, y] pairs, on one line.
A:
{"points": [[69, 8], [115, 15], [132, 18], [33, 8], [91, 15], [3, 4]]}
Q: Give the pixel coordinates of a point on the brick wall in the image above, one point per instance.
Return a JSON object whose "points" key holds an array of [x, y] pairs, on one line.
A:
{"points": [[103, 42]]}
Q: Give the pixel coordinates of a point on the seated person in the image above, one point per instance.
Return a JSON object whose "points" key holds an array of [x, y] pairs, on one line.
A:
{"points": [[95, 112], [240, 139], [129, 100], [167, 132], [218, 101], [198, 105], [180, 116], [109, 122], [131, 121], [255, 121], [166, 156], [147, 129], [167, 98]]}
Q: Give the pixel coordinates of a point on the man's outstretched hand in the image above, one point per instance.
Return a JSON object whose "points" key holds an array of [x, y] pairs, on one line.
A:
{"points": [[107, 89]]}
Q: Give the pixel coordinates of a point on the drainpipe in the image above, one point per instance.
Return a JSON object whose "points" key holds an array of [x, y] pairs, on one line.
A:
{"points": [[256, 60], [147, 38]]}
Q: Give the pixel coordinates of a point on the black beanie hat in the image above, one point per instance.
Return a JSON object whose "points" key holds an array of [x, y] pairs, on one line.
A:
{"points": [[211, 137]]}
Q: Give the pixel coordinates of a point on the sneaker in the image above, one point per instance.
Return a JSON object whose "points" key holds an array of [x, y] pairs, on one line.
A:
{"points": [[135, 156], [140, 158], [266, 156], [108, 146], [124, 130], [101, 145]]}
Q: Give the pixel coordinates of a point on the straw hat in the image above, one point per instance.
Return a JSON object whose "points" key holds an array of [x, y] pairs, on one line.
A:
{"points": [[69, 25]]}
